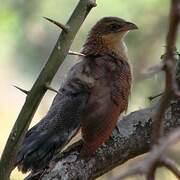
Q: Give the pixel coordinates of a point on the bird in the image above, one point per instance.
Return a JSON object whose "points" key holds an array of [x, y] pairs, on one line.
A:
{"points": [[95, 93]]}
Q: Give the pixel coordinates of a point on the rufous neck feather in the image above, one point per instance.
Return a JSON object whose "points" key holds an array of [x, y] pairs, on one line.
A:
{"points": [[112, 42]]}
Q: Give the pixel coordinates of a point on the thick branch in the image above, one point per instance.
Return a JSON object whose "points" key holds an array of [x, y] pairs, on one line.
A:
{"points": [[133, 139], [38, 90], [156, 158]]}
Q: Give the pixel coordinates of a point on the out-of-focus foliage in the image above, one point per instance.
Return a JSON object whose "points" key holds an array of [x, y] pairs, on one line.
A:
{"points": [[26, 40]]}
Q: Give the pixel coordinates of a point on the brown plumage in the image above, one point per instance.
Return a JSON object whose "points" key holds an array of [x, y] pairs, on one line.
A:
{"points": [[108, 99], [94, 94], [108, 66]]}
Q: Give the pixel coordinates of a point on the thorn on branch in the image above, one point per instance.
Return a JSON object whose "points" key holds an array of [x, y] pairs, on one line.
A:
{"points": [[76, 53], [153, 97], [22, 90], [50, 88], [63, 27]]}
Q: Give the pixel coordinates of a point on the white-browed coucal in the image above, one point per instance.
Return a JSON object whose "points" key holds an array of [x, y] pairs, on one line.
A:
{"points": [[93, 96]]}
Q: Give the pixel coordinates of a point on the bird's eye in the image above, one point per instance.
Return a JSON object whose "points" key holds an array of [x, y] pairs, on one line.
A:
{"points": [[114, 27]]}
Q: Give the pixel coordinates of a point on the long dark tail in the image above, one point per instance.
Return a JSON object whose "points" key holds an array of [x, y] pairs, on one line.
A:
{"points": [[52, 133]]}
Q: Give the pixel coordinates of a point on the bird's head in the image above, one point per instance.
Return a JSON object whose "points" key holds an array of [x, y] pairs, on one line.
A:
{"points": [[112, 26], [108, 34]]}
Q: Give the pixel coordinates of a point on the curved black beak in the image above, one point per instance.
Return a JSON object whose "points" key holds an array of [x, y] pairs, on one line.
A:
{"points": [[129, 26]]}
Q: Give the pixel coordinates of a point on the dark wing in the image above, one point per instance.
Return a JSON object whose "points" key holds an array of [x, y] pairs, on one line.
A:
{"points": [[59, 125], [108, 99]]}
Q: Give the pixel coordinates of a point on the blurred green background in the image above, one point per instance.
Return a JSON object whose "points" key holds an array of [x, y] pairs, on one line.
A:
{"points": [[26, 40]]}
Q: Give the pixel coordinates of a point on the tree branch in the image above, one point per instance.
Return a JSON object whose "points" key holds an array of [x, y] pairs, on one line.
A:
{"points": [[171, 87], [149, 165], [155, 159], [169, 164], [38, 90], [132, 139]]}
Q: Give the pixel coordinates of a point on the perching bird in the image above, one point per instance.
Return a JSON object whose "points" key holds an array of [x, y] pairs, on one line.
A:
{"points": [[93, 96]]}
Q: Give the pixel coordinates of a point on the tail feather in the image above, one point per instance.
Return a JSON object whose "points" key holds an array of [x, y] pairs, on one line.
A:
{"points": [[51, 133]]}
